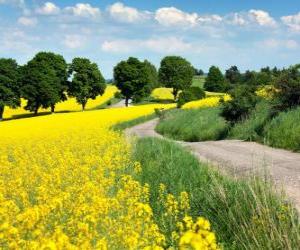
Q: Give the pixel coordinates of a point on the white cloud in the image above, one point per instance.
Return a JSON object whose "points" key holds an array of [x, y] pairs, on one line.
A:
{"points": [[160, 45], [210, 19], [48, 8], [83, 10], [74, 41], [237, 19], [261, 17], [27, 21], [292, 21], [279, 44], [126, 14], [171, 16]]}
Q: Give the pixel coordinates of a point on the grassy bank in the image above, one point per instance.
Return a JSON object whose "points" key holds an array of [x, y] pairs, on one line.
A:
{"points": [[284, 130], [252, 128], [193, 125], [244, 214]]}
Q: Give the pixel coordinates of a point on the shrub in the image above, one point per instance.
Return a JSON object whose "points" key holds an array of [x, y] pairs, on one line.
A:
{"points": [[242, 102], [190, 94], [284, 130], [193, 125], [252, 127], [288, 86]]}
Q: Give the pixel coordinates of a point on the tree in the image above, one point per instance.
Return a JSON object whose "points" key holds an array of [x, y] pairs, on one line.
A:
{"points": [[249, 78], [151, 74], [87, 81], [176, 72], [133, 78], [200, 72], [44, 81], [233, 75], [215, 80], [288, 88], [9, 89]]}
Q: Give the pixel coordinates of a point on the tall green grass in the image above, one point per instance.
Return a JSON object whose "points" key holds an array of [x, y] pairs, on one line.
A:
{"points": [[251, 128], [245, 214], [284, 130], [193, 125]]}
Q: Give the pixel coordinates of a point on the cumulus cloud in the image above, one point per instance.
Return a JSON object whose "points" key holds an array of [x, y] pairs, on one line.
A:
{"points": [[48, 8], [83, 10], [122, 13], [27, 21], [261, 17], [171, 16], [237, 19], [160, 45], [74, 41], [292, 21]]}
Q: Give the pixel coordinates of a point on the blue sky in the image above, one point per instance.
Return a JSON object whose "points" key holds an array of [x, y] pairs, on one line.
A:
{"points": [[249, 34]]}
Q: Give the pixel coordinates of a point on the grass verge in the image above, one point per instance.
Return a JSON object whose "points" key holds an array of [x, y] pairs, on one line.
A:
{"points": [[252, 128], [245, 214], [284, 130], [131, 123], [193, 125]]}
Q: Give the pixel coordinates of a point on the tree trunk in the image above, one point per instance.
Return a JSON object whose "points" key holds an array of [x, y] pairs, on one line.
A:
{"points": [[52, 108], [83, 104], [36, 110], [175, 92], [1, 112], [126, 101]]}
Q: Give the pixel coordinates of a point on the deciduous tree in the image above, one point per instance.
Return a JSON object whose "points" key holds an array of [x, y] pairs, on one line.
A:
{"points": [[215, 80], [9, 89], [87, 81], [44, 81], [133, 78], [176, 72]]}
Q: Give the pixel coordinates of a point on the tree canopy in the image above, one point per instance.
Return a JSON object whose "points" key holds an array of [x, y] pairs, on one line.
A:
{"points": [[288, 88], [87, 81], [44, 80], [134, 78], [176, 72], [9, 89], [233, 75], [215, 80]]}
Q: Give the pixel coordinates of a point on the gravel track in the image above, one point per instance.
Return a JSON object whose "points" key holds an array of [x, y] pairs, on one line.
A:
{"points": [[241, 158]]}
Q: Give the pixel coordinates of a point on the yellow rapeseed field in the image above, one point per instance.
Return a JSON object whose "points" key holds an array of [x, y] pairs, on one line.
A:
{"points": [[69, 105], [67, 183], [206, 102], [162, 94], [166, 94]]}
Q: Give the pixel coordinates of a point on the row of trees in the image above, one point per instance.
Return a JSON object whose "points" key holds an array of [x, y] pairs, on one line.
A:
{"points": [[137, 79], [46, 80], [217, 82]]}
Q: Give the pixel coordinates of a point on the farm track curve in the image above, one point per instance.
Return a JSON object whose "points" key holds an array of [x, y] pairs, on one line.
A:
{"points": [[241, 158]]}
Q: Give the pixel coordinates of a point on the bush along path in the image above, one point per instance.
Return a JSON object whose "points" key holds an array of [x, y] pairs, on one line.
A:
{"points": [[241, 158]]}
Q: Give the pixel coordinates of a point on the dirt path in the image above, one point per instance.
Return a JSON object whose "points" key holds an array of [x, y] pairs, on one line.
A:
{"points": [[120, 104], [241, 158]]}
